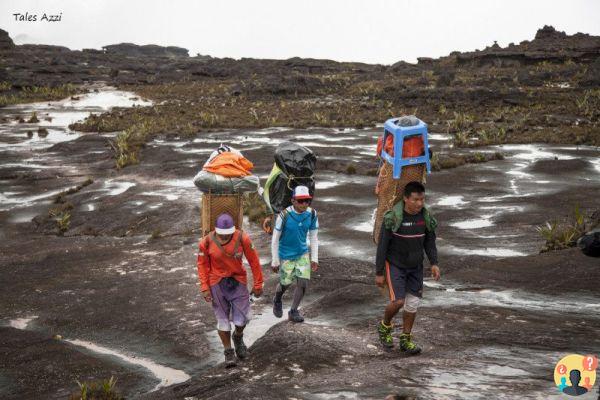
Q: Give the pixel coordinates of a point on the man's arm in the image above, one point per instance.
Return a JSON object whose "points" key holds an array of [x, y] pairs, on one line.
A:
{"points": [[385, 236], [431, 251], [254, 261], [314, 245], [203, 265], [430, 247], [275, 242], [313, 235]]}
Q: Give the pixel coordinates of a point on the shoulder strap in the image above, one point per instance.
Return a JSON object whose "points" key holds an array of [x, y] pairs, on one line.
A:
{"points": [[284, 216], [238, 242]]}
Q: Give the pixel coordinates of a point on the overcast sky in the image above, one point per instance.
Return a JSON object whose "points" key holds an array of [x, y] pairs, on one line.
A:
{"points": [[373, 31]]}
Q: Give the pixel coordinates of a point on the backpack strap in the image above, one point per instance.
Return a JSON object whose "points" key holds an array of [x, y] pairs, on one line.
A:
{"points": [[285, 213], [238, 242], [284, 216]]}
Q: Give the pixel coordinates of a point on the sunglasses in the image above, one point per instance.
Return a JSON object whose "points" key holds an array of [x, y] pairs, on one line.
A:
{"points": [[303, 201]]}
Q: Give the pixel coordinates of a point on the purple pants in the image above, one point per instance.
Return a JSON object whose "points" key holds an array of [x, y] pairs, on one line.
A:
{"points": [[231, 302]]}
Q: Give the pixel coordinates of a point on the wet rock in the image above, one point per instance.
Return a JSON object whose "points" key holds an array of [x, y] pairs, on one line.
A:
{"points": [[565, 166], [6, 42]]}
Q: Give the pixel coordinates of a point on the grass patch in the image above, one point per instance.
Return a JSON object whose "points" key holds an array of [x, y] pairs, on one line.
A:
{"points": [[10, 95], [34, 119], [440, 162], [103, 390], [62, 216], [128, 144], [562, 235]]}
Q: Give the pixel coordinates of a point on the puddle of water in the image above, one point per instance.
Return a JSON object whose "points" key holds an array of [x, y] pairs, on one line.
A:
{"points": [[504, 208], [181, 183], [365, 226], [26, 164], [22, 217], [115, 188], [166, 194], [11, 200], [532, 153], [441, 137], [453, 201], [194, 151], [21, 323], [106, 99], [456, 295], [39, 143], [62, 118], [167, 376], [325, 184], [261, 322], [336, 395], [483, 222], [485, 252], [159, 142], [520, 174]]}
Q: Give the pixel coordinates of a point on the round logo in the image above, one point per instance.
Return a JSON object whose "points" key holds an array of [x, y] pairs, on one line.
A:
{"points": [[576, 374]]}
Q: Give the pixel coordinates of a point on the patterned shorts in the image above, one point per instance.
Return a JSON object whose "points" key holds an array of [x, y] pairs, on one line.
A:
{"points": [[292, 269]]}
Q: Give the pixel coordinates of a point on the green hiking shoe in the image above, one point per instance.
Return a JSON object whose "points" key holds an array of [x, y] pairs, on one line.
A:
{"points": [[408, 346], [385, 335]]}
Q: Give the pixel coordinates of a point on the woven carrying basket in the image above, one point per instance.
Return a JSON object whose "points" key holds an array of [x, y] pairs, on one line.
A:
{"points": [[214, 205], [389, 190]]}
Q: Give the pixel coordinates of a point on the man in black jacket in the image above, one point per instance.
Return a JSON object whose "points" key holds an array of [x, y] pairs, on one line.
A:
{"points": [[408, 229]]}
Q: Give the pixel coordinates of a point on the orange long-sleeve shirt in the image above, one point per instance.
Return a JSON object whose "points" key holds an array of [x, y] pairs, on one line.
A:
{"points": [[214, 264]]}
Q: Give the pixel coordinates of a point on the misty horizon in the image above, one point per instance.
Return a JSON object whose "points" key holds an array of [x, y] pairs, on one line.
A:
{"points": [[381, 32]]}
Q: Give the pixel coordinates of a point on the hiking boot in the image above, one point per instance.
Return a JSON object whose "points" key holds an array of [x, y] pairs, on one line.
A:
{"points": [[241, 351], [229, 358], [294, 316], [277, 307], [407, 345], [385, 335]]}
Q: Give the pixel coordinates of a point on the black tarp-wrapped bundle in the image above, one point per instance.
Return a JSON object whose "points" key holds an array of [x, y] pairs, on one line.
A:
{"points": [[294, 165]]}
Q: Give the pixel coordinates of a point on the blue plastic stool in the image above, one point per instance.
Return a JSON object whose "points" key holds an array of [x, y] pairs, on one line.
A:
{"points": [[399, 133]]}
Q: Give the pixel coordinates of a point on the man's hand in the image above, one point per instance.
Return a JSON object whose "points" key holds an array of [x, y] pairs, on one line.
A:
{"points": [[435, 272], [267, 225], [257, 292], [207, 295], [380, 281], [314, 266]]}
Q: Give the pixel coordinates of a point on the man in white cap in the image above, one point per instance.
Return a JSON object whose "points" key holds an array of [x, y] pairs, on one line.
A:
{"points": [[289, 250]]}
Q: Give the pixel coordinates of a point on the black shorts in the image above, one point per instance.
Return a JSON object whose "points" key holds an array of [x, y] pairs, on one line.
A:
{"points": [[401, 281]]}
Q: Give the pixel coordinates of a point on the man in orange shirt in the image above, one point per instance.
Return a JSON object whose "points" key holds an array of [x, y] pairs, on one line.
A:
{"points": [[223, 282]]}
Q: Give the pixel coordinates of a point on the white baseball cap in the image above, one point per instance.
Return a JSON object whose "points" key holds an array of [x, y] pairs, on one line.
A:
{"points": [[301, 192]]}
